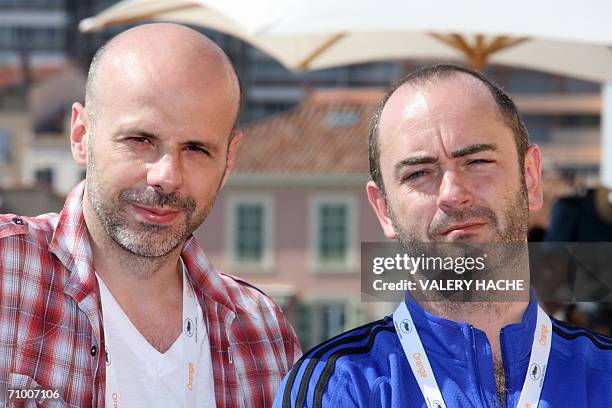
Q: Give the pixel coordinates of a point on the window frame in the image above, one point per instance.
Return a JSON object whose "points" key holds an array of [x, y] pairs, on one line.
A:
{"points": [[266, 201], [10, 146], [309, 323], [316, 263]]}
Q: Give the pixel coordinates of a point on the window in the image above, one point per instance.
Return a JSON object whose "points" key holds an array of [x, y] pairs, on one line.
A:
{"points": [[31, 4], [317, 320], [250, 231], [6, 146], [44, 177], [578, 121], [333, 226], [32, 37], [333, 319]]}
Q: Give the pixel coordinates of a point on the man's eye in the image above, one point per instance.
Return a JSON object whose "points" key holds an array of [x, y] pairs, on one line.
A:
{"points": [[140, 139], [198, 149], [479, 162], [414, 176]]}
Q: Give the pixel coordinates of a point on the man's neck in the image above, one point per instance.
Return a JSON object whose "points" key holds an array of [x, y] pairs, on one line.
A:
{"points": [[136, 280], [148, 290]]}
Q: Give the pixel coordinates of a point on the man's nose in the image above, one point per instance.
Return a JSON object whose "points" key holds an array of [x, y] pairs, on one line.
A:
{"points": [[454, 192], [166, 173]]}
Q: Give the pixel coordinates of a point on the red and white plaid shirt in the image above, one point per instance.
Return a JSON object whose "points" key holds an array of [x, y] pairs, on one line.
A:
{"points": [[51, 332]]}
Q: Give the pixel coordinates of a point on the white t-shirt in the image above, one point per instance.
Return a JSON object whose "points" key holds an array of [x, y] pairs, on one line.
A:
{"points": [[144, 376]]}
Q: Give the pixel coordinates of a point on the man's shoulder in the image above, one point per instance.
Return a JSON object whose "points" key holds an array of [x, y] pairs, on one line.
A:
{"points": [[359, 354], [246, 296], [37, 229], [359, 341], [262, 325], [594, 349], [358, 345]]}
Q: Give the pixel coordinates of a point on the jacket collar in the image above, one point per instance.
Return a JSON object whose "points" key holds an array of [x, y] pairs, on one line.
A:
{"points": [[450, 338]]}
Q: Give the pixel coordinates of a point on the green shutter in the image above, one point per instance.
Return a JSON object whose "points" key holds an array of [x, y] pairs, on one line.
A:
{"points": [[303, 325]]}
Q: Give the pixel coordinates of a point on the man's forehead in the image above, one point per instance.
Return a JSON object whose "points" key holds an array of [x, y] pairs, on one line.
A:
{"points": [[414, 105], [133, 61]]}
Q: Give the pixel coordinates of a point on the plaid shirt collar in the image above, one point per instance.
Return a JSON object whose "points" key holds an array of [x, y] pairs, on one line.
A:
{"points": [[70, 243]]}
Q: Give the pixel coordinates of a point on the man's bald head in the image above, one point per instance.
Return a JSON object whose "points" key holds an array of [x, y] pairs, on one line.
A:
{"points": [[431, 76], [157, 132], [164, 52]]}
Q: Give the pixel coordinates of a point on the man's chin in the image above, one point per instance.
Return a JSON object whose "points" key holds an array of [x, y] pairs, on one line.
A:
{"points": [[148, 251], [149, 240]]}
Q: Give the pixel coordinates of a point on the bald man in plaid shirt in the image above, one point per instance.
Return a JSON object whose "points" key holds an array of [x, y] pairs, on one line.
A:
{"points": [[112, 302]]}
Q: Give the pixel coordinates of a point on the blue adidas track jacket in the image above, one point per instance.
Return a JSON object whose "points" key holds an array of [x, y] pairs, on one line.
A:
{"points": [[366, 366]]}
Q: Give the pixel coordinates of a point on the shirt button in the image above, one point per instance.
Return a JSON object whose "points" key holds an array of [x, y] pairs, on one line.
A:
{"points": [[94, 350], [18, 221]]}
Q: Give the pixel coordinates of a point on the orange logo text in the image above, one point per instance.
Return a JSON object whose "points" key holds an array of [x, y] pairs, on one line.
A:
{"points": [[420, 366], [544, 335], [191, 373]]}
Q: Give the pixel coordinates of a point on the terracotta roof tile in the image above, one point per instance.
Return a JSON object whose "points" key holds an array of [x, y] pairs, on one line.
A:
{"points": [[327, 134]]}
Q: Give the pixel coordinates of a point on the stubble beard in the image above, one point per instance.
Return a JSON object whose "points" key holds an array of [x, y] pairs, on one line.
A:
{"points": [[136, 238], [510, 263]]}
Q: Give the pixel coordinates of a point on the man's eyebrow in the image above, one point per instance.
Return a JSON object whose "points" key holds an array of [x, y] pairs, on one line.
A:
{"points": [[473, 149], [466, 151], [136, 132]]}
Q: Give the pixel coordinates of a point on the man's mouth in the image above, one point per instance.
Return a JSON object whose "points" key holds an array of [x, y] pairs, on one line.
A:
{"points": [[458, 230], [156, 215]]}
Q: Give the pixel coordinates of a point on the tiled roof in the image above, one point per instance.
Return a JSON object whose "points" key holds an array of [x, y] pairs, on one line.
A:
{"points": [[327, 134]]}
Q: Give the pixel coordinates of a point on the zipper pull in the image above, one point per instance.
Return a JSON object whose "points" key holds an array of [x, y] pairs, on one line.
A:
{"points": [[229, 355]]}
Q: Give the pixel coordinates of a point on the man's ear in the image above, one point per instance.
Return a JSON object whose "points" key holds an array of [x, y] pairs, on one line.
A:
{"points": [[78, 134], [231, 155], [533, 177], [379, 204]]}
